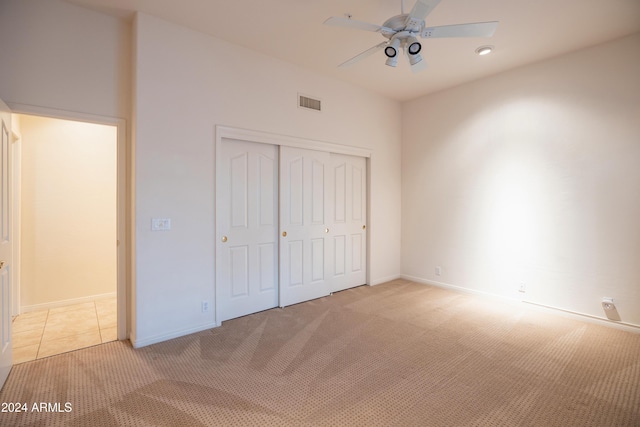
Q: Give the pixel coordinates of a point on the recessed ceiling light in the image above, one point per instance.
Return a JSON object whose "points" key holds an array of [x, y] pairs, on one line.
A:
{"points": [[484, 50]]}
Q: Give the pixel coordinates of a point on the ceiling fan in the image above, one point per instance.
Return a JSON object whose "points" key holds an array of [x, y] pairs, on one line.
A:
{"points": [[402, 32]]}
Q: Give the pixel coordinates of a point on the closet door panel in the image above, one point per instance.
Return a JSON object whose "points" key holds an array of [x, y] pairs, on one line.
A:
{"points": [[348, 221], [305, 250], [246, 228]]}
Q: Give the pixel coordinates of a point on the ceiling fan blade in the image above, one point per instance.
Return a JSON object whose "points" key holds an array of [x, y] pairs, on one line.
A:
{"points": [[357, 25], [363, 55], [420, 11], [477, 29]]}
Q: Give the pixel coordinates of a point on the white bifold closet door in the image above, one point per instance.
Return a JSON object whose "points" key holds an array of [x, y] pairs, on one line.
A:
{"points": [[247, 228], [290, 225]]}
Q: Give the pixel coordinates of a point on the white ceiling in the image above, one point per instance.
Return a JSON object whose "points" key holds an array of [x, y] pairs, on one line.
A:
{"points": [[292, 30]]}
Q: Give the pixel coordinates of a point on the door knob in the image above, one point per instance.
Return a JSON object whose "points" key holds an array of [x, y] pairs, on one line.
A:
{"points": [[284, 234], [2, 263], [364, 226], [326, 230], [224, 239]]}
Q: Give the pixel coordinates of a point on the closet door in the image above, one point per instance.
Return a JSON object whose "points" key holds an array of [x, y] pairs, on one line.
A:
{"points": [[305, 251], [348, 222], [246, 228]]}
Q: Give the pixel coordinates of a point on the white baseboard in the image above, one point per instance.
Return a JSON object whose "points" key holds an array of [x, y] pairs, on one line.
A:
{"points": [[64, 303], [384, 280], [139, 343], [460, 289], [629, 327]]}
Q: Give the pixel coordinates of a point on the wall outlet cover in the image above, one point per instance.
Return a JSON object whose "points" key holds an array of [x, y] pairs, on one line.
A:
{"points": [[205, 306], [160, 224], [607, 304]]}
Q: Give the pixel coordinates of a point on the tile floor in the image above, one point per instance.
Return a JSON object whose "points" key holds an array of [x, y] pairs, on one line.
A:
{"points": [[45, 333]]}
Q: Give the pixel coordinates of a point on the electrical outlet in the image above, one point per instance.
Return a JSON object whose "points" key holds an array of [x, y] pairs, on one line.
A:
{"points": [[160, 224], [610, 309], [522, 288], [607, 304], [205, 306]]}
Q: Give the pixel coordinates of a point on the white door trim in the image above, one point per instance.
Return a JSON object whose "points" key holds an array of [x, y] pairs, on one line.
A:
{"points": [[289, 141], [16, 158], [123, 202]]}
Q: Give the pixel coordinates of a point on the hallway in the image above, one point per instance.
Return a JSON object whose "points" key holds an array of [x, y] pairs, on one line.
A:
{"points": [[45, 333]]}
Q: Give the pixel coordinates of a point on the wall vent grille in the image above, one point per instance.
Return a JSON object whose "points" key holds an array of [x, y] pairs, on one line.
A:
{"points": [[310, 103]]}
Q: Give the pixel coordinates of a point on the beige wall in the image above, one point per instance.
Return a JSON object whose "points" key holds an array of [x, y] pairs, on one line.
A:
{"points": [[185, 84], [65, 57], [68, 211], [70, 58], [563, 130], [531, 177]]}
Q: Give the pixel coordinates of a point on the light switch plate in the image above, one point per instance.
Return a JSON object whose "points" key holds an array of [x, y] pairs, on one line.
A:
{"points": [[160, 224]]}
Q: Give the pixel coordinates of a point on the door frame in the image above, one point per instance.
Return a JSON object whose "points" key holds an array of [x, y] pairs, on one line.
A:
{"points": [[233, 133], [15, 170], [123, 203]]}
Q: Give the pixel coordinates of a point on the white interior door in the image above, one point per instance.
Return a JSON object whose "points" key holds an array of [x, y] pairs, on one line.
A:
{"points": [[246, 228], [6, 360], [304, 215], [348, 221]]}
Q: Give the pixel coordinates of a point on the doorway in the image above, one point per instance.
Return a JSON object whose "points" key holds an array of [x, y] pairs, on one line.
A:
{"points": [[66, 216]]}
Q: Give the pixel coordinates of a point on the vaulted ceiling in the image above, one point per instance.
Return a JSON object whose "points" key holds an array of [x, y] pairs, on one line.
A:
{"points": [[293, 31]]}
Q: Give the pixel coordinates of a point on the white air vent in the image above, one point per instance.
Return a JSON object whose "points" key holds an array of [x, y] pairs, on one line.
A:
{"points": [[310, 103]]}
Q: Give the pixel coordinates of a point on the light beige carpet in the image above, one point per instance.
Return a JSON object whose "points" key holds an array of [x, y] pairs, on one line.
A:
{"points": [[397, 354]]}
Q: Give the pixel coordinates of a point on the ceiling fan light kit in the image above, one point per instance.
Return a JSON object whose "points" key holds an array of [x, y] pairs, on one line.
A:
{"points": [[392, 48], [414, 45], [402, 31], [415, 59]]}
